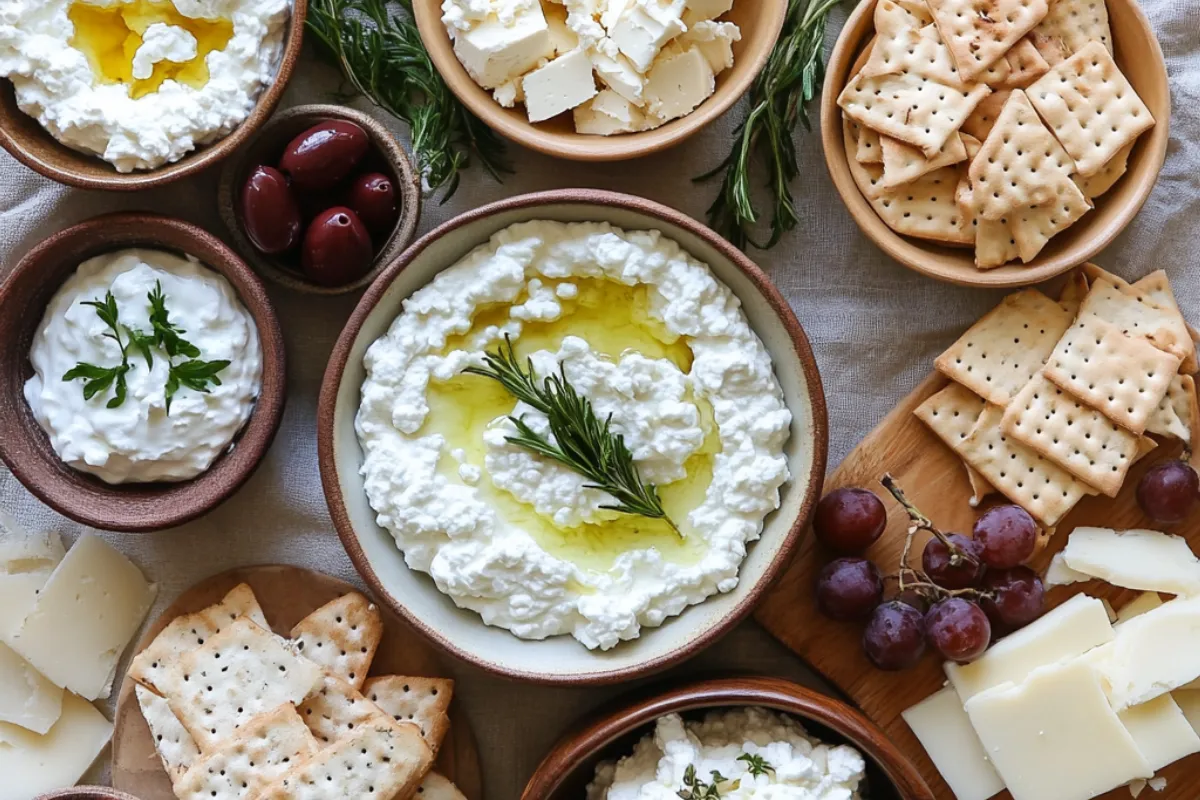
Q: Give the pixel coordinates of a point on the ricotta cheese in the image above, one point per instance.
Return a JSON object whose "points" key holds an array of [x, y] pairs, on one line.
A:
{"points": [[648, 335], [196, 70], [729, 742], [138, 441]]}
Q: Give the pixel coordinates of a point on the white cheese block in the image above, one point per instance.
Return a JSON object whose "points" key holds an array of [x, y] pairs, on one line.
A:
{"points": [[699, 10], [32, 764], [608, 113], [715, 40], [1059, 574], [18, 591], [1055, 737], [615, 72], [559, 86], [1146, 601], [1146, 560], [24, 551], [84, 617], [495, 53], [27, 698], [1155, 653], [1188, 701], [1161, 731], [678, 84], [944, 730], [1066, 632], [644, 26]]}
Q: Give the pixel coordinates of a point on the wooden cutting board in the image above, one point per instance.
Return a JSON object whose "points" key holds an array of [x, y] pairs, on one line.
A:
{"points": [[934, 478], [287, 595]]}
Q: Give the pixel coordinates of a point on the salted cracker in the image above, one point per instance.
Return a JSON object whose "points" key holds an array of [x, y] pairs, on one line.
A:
{"points": [[1156, 287], [1025, 65], [980, 487], [984, 117], [424, 702], [867, 177], [190, 631], [1108, 175], [1033, 228], [1091, 108], [1002, 352], [176, 748], [261, 751], [335, 709], [1070, 25], [980, 32], [893, 16], [1131, 310], [1074, 291], [1123, 377], [994, 242], [903, 163], [438, 787], [342, 636], [869, 149], [1175, 415], [951, 414]]}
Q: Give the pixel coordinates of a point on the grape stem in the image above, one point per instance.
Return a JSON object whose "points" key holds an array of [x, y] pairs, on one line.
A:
{"points": [[922, 522]]}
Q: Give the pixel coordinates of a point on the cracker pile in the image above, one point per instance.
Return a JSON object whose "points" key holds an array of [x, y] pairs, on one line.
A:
{"points": [[992, 128], [1052, 401], [239, 713]]}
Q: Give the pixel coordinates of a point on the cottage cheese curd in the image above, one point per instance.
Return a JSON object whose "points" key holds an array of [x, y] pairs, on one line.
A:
{"points": [[140, 83], [620, 66], [139, 441], [650, 337], [800, 767]]}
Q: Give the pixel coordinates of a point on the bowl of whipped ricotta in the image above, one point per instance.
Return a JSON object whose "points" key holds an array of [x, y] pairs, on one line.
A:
{"points": [[128, 94], [732, 738], [572, 436], [144, 377]]}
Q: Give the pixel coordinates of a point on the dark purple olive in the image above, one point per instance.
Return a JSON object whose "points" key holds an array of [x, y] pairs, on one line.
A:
{"points": [[270, 213], [337, 248], [320, 157], [373, 198]]}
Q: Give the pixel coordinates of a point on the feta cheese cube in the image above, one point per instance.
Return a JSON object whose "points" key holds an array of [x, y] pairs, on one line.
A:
{"points": [[678, 84], [617, 73], [608, 113], [559, 86], [509, 94], [562, 38], [701, 10], [494, 52], [715, 40], [644, 27]]}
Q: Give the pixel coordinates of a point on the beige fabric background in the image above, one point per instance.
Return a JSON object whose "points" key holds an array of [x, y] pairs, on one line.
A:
{"points": [[875, 327]]}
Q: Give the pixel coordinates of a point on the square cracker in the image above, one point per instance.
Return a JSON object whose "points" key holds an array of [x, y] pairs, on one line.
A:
{"points": [[1156, 288], [424, 702], [342, 636], [951, 414], [1123, 377], [1099, 184], [1077, 437], [1176, 414], [190, 631], [869, 150], [1074, 291], [237, 674], [994, 242], [1091, 108], [1128, 308], [903, 163], [1033, 228], [981, 32], [984, 117], [1002, 352], [336, 709], [1025, 65], [261, 751], [1070, 25], [176, 748], [1041, 487]]}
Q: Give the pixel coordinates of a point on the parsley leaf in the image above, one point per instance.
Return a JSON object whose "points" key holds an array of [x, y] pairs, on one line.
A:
{"points": [[195, 375], [756, 764], [167, 335]]}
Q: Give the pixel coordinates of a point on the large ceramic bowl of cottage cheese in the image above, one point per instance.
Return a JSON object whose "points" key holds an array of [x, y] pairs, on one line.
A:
{"points": [[485, 508]]}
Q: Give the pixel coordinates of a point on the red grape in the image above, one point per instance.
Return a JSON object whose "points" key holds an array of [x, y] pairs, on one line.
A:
{"points": [[1007, 535], [849, 520], [1016, 597], [849, 588], [894, 638], [957, 571], [1168, 491], [958, 629]]}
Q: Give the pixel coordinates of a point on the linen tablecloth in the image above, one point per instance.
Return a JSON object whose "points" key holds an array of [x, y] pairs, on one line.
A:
{"points": [[875, 328]]}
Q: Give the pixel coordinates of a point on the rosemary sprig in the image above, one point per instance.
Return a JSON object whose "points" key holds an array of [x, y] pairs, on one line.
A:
{"points": [[778, 99], [581, 440], [382, 57]]}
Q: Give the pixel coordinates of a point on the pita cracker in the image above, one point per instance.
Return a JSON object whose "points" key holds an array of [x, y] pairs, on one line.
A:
{"points": [[342, 636], [1128, 308], [984, 117], [1091, 108], [1173, 417], [904, 164], [438, 787], [1025, 65], [176, 748], [981, 32], [1070, 25], [1002, 352], [1033, 228], [1074, 291], [424, 702], [1107, 177]]}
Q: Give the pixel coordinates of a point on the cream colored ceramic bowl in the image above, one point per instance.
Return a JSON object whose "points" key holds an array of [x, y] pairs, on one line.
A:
{"points": [[562, 660]]}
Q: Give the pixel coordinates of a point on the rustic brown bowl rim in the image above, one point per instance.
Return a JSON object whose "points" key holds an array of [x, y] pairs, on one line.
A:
{"points": [[408, 187], [135, 508], [858, 29], [326, 422], [57, 167], [585, 147], [594, 734]]}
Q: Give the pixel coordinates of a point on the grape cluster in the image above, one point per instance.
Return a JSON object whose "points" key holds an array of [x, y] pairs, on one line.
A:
{"points": [[968, 590]]}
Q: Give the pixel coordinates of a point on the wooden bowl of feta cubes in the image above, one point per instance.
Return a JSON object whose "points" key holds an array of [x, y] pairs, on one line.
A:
{"points": [[599, 80]]}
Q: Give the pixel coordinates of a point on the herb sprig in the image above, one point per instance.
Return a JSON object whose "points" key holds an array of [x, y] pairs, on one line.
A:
{"points": [[696, 789], [778, 99], [382, 57], [96, 378], [756, 765], [582, 441]]}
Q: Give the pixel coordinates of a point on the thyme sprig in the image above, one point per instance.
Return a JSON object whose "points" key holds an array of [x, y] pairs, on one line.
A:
{"points": [[382, 57], [696, 789], [582, 441]]}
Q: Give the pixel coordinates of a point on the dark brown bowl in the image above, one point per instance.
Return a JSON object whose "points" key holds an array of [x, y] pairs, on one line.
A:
{"points": [[32, 145], [566, 771], [24, 446], [86, 793], [266, 146]]}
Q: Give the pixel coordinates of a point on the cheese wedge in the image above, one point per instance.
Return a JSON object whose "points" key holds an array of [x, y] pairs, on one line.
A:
{"points": [[32, 764], [1145, 560]]}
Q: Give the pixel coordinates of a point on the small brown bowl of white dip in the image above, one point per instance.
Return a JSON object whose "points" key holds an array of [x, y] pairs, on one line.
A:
{"points": [[143, 376]]}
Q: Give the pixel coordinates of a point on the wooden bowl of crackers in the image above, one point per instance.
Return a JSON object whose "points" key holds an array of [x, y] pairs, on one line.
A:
{"points": [[1028, 167]]}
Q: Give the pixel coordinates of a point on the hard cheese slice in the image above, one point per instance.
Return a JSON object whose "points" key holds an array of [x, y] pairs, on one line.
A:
{"points": [[23, 551], [1144, 602], [84, 617], [1161, 731], [944, 730], [1055, 737], [32, 764], [18, 592], [26, 697], [1155, 653], [1145, 560]]}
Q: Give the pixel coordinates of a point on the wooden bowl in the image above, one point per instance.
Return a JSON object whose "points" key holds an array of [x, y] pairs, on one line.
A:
{"points": [[266, 146], [561, 660], [24, 446], [1140, 58], [571, 765], [86, 793], [31, 144], [760, 21]]}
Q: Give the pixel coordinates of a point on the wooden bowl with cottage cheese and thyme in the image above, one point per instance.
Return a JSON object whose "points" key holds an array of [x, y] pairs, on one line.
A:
{"points": [[122, 406], [678, 382]]}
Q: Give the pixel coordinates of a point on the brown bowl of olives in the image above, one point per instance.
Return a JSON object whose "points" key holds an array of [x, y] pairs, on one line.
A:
{"points": [[321, 199]]}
